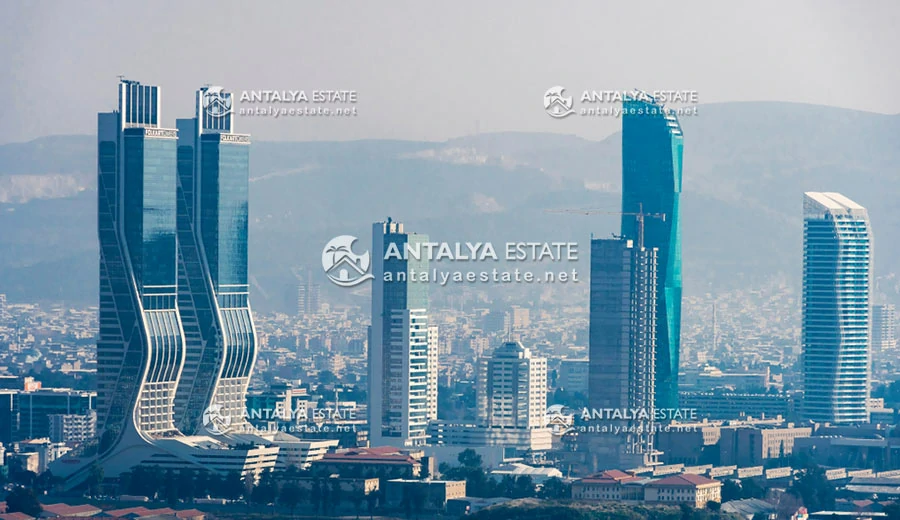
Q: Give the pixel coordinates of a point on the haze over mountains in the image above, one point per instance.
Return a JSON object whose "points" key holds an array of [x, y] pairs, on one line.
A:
{"points": [[746, 166]]}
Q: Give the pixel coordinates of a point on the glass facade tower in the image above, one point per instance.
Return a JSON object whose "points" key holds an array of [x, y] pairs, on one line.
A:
{"points": [[837, 274], [213, 293], [622, 344], [140, 348], [399, 397], [652, 149]]}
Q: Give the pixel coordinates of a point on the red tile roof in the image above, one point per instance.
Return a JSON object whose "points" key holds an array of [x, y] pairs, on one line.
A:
{"points": [[15, 516], [67, 510], [686, 479], [379, 455], [612, 476]]}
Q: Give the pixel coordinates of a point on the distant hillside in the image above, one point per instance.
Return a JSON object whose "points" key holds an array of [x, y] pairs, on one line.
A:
{"points": [[746, 167]]}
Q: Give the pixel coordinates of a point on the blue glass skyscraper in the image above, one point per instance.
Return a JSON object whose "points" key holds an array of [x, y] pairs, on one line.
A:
{"points": [[140, 349], [213, 293], [837, 273], [652, 148]]}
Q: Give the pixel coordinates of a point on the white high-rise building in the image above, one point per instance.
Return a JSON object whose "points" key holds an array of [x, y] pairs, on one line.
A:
{"points": [[884, 328], [512, 388], [837, 274], [433, 364], [398, 352]]}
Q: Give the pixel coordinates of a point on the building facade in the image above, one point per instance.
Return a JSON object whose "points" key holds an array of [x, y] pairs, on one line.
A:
{"points": [[652, 149], [622, 341], [837, 274], [398, 350], [511, 390], [213, 292], [140, 348], [884, 328]]}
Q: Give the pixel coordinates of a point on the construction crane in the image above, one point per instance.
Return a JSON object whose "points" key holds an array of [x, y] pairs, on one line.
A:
{"points": [[638, 215]]}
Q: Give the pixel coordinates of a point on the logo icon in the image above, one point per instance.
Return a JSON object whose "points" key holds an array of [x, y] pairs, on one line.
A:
{"points": [[342, 265], [556, 104], [215, 421], [559, 419], [216, 102]]}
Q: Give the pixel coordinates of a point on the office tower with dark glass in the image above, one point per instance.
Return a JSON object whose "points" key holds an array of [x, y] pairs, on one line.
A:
{"points": [[837, 273], [652, 148], [622, 346], [140, 349], [172, 222], [398, 351], [213, 292]]}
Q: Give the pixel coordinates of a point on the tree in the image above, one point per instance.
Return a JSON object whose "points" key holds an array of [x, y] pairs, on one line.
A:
{"points": [[95, 479], [713, 506], [814, 489], [232, 486], [554, 489], [289, 496], [892, 511], [336, 495], [469, 458], [731, 490], [372, 502], [187, 484], [750, 489], [266, 491], [171, 488], [524, 487], [23, 500], [357, 497]]}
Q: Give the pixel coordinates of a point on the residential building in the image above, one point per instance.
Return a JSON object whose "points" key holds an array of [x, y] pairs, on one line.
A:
{"points": [[837, 274], [398, 350]]}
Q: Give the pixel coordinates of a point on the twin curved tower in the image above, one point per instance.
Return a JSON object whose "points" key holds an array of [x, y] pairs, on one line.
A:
{"points": [[176, 334]]}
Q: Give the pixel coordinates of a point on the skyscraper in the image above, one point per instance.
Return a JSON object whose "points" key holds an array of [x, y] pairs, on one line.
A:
{"points": [[511, 389], [140, 349], [213, 293], [652, 147], [433, 353], [837, 273], [172, 224], [307, 297], [622, 344], [398, 351], [884, 328]]}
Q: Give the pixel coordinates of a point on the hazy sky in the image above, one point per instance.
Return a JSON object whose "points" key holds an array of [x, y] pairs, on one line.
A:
{"points": [[430, 70]]}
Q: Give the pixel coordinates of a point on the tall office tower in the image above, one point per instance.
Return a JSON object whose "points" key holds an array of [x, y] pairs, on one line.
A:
{"points": [[652, 145], [434, 348], [884, 328], [837, 273], [213, 291], [511, 390], [140, 349], [622, 342], [307, 298], [398, 351]]}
